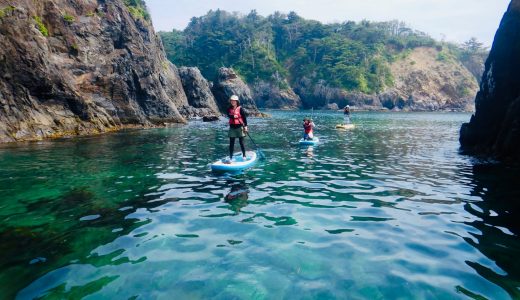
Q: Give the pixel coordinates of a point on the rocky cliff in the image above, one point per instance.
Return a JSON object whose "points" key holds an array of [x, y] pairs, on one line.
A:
{"points": [[430, 79], [198, 91], [78, 67], [278, 96], [424, 80], [494, 129], [229, 83]]}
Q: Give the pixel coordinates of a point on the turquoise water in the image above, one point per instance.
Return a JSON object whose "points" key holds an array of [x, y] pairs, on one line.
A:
{"points": [[389, 210]]}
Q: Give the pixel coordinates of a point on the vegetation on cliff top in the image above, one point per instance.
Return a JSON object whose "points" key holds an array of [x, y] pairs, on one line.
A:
{"points": [[138, 9], [348, 55]]}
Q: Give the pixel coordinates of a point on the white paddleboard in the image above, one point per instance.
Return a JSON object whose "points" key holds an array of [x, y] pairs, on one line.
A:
{"points": [[345, 126], [312, 142], [238, 163]]}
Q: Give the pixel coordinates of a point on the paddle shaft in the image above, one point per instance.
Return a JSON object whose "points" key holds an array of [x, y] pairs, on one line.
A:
{"points": [[252, 141]]}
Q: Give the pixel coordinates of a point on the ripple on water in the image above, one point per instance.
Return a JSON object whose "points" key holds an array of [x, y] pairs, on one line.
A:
{"points": [[388, 205]]}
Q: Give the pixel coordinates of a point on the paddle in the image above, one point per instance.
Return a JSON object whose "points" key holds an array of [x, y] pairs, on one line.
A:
{"points": [[260, 152], [312, 117]]}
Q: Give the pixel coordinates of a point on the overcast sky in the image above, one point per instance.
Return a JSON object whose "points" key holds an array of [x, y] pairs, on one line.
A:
{"points": [[456, 20]]}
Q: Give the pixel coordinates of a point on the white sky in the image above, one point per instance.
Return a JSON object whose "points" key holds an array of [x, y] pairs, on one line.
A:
{"points": [[456, 20]]}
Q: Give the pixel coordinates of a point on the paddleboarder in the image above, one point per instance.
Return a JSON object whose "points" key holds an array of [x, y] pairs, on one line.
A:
{"points": [[346, 114], [237, 126], [308, 127]]}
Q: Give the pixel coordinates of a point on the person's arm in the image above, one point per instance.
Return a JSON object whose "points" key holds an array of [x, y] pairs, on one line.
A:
{"points": [[230, 115]]}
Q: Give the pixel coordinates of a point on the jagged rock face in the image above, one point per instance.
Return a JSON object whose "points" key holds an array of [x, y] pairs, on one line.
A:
{"points": [[269, 95], [427, 83], [321, 95], [227, 84], [79, 67], [494, 129], [318, 95], [198, 91]]}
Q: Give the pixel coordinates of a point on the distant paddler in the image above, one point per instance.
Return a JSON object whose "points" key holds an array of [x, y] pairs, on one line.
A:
{"points": [[346, 120], [346, 115], [308, 129]]}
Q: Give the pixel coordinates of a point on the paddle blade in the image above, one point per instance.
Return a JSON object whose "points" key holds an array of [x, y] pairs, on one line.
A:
{"points": [[260, 154]]}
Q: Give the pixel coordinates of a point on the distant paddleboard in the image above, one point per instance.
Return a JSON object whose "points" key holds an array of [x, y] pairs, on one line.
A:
{"points": [[312, 142], [238, 163], [345, 126]]}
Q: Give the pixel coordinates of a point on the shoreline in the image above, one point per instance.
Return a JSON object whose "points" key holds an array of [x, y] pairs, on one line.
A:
{"points": [[264, 113]]}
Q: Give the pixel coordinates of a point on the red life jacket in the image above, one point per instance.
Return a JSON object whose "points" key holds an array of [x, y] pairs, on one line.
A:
{"points": [[307, 127], [237, 117]]}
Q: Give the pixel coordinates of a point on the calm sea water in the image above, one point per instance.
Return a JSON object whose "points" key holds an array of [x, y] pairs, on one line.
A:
{"points": [[389, 210]]}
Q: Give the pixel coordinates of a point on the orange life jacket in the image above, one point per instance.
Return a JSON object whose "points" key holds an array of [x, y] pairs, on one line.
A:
{"points": [[235, 118]]}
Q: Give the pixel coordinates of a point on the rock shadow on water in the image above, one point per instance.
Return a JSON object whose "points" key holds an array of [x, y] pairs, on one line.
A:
{"points": [[498, 223]]}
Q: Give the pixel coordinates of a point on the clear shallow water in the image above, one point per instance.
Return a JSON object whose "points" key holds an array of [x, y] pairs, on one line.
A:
{"points": [[389, 210]]}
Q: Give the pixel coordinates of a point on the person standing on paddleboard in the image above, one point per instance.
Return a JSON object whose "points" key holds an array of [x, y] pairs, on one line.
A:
{"points": [[308, 126], [346, 114], [237, 125]]}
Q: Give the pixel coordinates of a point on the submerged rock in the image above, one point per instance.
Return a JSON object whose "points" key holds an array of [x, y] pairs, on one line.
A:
{"points": [[228, 83], [494, 129], [99, 68]]}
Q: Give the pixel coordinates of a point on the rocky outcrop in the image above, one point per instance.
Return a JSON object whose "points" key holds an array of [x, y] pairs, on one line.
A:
{"points": [[210, 118], [198, 91], [78, 67], [494, 129], [271, 95], [228, 83], [423, 81], [321, 95], [331, 106], [429, 79]]}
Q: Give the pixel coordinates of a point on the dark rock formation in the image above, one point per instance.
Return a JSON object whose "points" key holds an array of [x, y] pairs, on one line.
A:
{"points": [[392, 100], [270, 95], [78, 67], [321, 95], [198, 90], [494, 129], [331, 106], [227, 84], [210, 118]]}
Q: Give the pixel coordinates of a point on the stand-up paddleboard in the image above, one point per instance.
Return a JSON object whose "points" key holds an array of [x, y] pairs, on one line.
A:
{"points": [[345, 126], [312, 142], [238, 163]]}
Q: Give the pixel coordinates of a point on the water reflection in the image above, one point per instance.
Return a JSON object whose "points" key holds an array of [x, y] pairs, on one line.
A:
{"points": [[498, 223], [237, 196], [309, 152]]}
